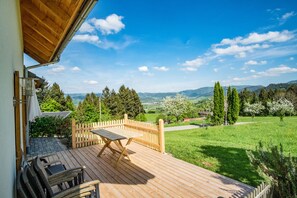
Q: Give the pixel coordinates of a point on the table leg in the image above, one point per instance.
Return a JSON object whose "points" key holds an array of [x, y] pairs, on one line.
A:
{"points": [[107, 144], [123, 150]]}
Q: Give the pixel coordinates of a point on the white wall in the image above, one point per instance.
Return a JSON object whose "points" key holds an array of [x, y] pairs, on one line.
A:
{"points": [[11, 59]]}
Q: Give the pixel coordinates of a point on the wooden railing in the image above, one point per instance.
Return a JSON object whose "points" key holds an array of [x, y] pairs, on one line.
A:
{"points": [[152, 135], [262, 191]]}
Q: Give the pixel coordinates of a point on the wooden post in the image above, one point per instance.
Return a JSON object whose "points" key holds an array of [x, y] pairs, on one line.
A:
{"points": [[161, 136], [17, 112], [73, 127], [125, 118]]}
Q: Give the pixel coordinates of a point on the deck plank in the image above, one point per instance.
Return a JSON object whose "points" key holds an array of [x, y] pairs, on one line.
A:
{"points": [[150, 174]]}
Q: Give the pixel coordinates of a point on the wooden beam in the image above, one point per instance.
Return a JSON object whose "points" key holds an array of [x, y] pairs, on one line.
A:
{"points": [[39, 28], [55, 9], [17, 120], [41, 58], [34, 11], [42, 38], [37, 44]]}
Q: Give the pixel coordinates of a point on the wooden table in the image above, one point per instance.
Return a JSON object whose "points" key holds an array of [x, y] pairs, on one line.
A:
{"points": [[116, 135]]}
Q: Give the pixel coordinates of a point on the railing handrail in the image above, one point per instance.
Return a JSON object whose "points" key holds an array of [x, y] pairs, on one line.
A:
{"points": [[153, 135]]}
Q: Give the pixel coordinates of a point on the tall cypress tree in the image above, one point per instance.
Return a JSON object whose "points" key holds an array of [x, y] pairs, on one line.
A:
{"points": [[229, 103], [222, 103], [235, 106], [218, 110]]}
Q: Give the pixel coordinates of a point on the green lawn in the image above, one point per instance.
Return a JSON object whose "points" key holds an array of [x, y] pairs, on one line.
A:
{"points": [[222, 149], [151, 117]]}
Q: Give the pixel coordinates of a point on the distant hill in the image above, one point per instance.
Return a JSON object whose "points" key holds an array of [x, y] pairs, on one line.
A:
{"points": [[202, 92], [192, 94]]}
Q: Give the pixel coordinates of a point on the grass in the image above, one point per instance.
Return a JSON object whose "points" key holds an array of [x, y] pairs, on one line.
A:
{"points": [[151, 117], [222, 149]]}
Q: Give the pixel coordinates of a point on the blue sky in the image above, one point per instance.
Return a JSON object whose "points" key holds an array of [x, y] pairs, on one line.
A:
{"points": [[171, 45]]}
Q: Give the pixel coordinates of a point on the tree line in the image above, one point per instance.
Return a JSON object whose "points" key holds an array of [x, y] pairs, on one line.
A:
{"points": [[109, 105], [265, 101]]}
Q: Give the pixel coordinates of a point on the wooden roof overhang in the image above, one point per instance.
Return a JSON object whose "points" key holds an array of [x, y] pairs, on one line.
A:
{"points": [[48, 26]]}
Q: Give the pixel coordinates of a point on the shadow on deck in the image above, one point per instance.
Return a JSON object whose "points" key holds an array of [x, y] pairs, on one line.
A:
{"points": [[150, 174]]}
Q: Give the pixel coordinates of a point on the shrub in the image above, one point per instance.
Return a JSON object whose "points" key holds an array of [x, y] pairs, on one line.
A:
{"points": [[141, 117], [161, 116], [279, 170], [151, 111], [50, 126]]}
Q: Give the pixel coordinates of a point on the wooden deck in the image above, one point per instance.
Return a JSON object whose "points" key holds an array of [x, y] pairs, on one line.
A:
{"points": [[150, 174]]}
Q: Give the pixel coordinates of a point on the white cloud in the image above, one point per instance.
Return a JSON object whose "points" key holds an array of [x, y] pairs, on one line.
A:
{"points": [[271, 72], [215, 69], [91, 82], [163, 68], [94, 39], [288, 15], [276, 71], [189, 69], [238, 50], [291, 58], [254, 37], [252, 62], [75, 69], [86, 27], [112, 24], [194, 63], [57, 69], [143, 69]]}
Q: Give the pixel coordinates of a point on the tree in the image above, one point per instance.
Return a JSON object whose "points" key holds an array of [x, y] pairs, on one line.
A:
{"points": [[57, 94], [291, 95], [218, 99], [234, 106], [245, 97], [263, 98], [106, 97], [281, 108], [43, 91], [116, 108], [176, 106], [89, 110], [69, 104], [254, 109], [50, 105], [229, 104]]}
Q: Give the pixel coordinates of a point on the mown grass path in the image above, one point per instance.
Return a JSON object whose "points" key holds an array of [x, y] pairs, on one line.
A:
{"points": [[222, 149]]}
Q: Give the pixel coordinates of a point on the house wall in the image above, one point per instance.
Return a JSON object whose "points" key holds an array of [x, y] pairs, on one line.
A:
{"points": [[11, 59]]}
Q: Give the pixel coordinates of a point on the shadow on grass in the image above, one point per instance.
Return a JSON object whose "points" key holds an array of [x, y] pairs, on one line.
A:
{"points": [[233, 163]]}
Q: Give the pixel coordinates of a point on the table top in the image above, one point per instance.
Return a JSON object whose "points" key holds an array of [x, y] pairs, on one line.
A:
{"points": [[116, 133]]}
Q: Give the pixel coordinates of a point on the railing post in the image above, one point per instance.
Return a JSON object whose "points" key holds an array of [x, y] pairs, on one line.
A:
{"points": [[73, 129], [161, 136], [125, 118]]}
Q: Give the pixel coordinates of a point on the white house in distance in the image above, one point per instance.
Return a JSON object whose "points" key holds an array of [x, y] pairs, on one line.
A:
{"points": [[41, 29]]}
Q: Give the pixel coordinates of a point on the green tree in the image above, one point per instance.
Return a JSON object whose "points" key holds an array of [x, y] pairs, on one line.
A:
{"points": [[69, 104], [244, 97], [57, 94], [50, 105], [89, 110], [218, 99], [43, 91], [106, 97], [263, 98], [234, 106], [229, 103], [116, 108]]}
